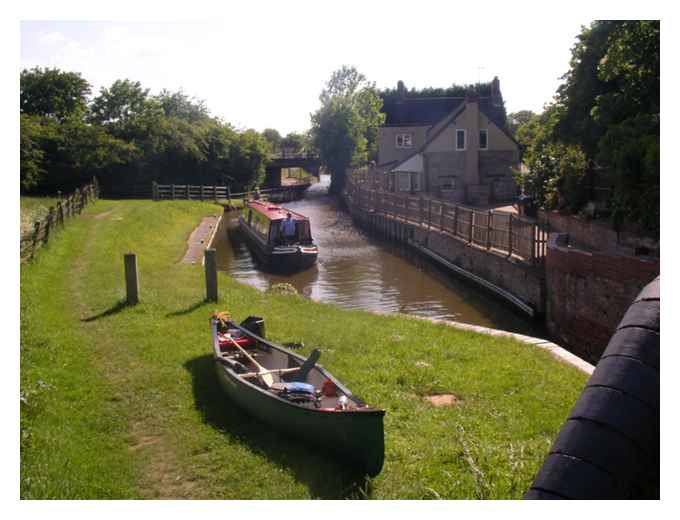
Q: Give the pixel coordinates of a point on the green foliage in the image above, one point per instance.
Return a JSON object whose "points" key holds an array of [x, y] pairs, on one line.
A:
{"points": [[52, 93], [127, 138], [517, 119], [345, 128], [273, 137], [606, 113], [125, 99], [32, 138]]}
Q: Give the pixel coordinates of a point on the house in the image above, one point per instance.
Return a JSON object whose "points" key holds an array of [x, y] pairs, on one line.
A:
{"points": [[456, 148]]}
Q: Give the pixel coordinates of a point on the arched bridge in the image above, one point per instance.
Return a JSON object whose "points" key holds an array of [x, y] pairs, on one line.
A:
{"points": [[309, 162]]}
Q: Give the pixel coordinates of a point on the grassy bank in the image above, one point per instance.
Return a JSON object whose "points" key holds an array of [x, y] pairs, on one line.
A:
{"points": [[123, 402]]}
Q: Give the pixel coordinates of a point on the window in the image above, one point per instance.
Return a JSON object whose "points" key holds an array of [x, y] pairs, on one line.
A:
{"points": [[460, 140], [483, 139], [408, 181], [404, 140]]}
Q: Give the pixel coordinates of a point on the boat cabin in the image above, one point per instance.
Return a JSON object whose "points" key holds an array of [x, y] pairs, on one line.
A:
{"points": [[265, 220]]}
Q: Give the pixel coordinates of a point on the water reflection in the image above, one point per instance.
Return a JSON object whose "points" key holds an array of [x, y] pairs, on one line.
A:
{"points": [[357, 271]]}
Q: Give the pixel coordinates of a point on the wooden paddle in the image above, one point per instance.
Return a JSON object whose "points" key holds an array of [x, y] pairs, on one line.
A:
{"points": [[264, 374]]}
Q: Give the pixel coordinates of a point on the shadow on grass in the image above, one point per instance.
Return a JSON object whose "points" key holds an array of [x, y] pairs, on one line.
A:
{"points": [[122, 304], [324, 475], [188, 310]]}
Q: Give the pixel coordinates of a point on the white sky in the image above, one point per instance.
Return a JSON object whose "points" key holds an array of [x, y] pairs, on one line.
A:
{"points": [[260, 66]]}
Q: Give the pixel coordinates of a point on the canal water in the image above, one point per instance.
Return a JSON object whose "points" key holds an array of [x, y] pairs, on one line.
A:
{"points": [[360, 271]]}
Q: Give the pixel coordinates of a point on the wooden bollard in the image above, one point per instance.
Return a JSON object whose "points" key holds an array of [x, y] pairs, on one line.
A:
{"points": [[210, 275], [131, 279]]}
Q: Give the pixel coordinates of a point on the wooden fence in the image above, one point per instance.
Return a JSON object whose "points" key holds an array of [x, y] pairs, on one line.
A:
{"points": [[493, 230], [56, 217], [209, 192]]}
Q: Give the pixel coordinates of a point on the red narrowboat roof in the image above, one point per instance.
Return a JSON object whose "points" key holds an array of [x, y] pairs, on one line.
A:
{"points": [[272, 211]]}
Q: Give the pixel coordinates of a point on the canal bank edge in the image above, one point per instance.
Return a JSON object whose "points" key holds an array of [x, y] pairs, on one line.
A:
{"points": [[558, 352], [200, 239]]}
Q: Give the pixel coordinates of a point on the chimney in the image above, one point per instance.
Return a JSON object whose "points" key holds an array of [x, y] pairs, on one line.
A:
{"points": [[496, 97], [401, 90]]}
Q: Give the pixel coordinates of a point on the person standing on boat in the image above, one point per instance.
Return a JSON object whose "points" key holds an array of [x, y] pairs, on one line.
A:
{"points": [[288, 229]]}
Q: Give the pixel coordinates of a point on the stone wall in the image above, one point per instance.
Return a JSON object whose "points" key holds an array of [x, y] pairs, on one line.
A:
{"points": [[523, 281], [588, 292], [597, 235]]}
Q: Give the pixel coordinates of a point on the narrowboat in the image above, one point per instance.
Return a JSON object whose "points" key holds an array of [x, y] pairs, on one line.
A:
{"points": [[295, 395], [262, 224]]}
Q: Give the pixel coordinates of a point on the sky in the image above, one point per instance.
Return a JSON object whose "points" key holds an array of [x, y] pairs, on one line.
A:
{"points": [[264, 65]]}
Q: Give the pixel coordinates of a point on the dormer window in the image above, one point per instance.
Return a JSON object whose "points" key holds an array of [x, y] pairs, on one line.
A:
{"points": [[404, 140], [483, 139], [460, 139]]}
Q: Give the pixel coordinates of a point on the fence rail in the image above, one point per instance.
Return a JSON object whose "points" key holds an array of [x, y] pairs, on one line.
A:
{"points": [[57, 215], [493, 230], [208, 192]]}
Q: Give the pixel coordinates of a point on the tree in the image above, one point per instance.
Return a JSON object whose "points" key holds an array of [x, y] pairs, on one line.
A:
{"points": [[605, 119], [125, 99], [516, 119], [53, 93], [32, 139], [273, 137], [178, 104], [344, 129]]}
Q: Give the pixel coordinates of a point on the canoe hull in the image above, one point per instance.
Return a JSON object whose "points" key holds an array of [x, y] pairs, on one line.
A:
{"points": [[356, 436]]}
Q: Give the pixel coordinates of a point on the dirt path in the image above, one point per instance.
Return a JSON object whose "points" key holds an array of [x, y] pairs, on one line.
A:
{"points": [[200, 239]]}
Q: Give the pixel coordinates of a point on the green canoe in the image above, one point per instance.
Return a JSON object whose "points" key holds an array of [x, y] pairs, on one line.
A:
{"points": [[296, 396]]}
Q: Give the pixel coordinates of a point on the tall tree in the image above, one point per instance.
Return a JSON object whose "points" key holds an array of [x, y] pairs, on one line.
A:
{"points": [[125, 99], [344, 129], [53, 93], [606, 115]]}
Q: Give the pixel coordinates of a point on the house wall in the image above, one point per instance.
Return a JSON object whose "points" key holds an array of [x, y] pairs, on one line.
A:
{"points": [[481, 175], [387, 150], [439, 164]]}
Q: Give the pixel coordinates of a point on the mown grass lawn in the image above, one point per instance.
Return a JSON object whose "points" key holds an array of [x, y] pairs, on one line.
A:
{"points": [[123, 402]]}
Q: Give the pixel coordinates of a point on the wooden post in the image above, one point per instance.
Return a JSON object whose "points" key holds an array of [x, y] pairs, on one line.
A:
{"points": [[154, 190], [211, 275], [60, 213], [510, 235], [455, 220], [201, 195], [36, 232], [488, 229], [229, 195], [533, 243], [172, 191], [131, 279], [187, 192], [50, 219], [472, 226], [215, 193]]}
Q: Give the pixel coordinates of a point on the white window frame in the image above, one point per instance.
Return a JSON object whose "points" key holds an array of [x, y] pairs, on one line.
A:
{"points": [[464, 140], [403, 140], [408, 181], [485, 132]]}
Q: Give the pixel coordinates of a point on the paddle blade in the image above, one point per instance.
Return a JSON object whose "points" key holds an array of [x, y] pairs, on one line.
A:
{"points": [[301, 375]]}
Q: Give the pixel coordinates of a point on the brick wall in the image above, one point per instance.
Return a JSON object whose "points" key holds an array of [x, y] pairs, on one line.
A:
{"points": [[587, 294], [597, 235]]}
